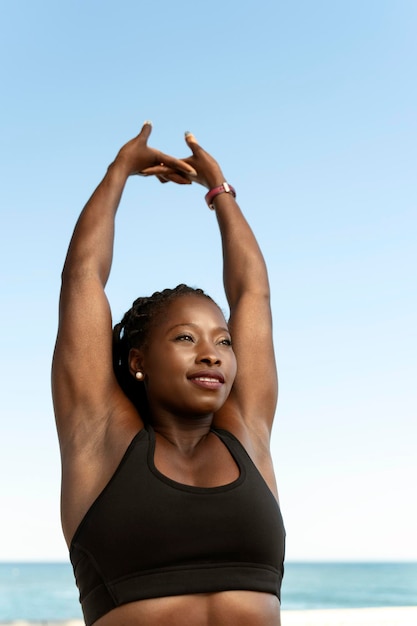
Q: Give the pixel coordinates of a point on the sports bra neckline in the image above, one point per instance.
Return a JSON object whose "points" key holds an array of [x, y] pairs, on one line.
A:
{"points": [[192, 488]]}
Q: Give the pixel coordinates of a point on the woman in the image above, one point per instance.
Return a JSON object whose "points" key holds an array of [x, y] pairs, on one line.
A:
{"points": [[169, 501]]}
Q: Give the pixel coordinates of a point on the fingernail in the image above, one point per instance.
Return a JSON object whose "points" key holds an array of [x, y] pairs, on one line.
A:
{"points": [[147, 122], [187, 132]]}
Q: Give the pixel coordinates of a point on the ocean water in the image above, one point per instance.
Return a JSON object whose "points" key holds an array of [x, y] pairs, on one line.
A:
{"points": [[46, 591], [37, 592], [349, 585]]}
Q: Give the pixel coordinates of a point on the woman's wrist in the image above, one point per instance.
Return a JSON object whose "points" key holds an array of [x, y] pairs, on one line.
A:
{"points": [[119, 168], [214, 180], [213, 194]]}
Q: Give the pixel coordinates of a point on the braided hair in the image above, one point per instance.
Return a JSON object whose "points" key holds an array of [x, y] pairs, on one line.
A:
{"points": [[133, 331]]}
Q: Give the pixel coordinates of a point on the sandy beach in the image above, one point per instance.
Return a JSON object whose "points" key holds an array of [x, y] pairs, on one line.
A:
{"points": [[392, 616]]}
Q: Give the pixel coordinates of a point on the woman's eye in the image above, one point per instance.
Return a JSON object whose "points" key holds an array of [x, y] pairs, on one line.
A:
{"points": [[184, 338], [226, 342]]}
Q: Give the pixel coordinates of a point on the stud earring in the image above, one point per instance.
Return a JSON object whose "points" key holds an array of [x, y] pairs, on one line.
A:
{"points": [[139, 375]]}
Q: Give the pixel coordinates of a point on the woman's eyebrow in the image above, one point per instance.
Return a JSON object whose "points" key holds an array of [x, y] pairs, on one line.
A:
{"points": [[193, 325]]}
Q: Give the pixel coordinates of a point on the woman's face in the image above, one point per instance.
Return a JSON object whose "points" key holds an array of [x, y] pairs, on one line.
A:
{"points": [[188, 363]]}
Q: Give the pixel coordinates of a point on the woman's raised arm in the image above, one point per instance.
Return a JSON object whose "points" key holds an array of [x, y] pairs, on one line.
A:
{"points": [[85, 391], [254, 394], [247, 289]]}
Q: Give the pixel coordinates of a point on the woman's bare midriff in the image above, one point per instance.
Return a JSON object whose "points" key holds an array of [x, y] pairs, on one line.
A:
{"points": [[246, 608]]}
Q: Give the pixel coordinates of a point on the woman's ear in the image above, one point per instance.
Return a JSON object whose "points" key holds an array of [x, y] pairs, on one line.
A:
{"points": [[136, 363]]}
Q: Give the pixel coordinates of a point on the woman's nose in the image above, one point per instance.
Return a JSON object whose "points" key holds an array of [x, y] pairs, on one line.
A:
{"points": [[209, 355]]}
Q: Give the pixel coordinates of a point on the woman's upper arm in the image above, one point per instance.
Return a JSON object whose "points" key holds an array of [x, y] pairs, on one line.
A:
{"points": [[83, 383], [255, 390]]}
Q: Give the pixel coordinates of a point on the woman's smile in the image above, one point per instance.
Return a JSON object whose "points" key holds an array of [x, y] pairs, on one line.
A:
{"points": [[207, 379]]}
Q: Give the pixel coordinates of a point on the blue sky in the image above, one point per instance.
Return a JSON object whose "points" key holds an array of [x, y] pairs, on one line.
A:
{"points": [[310, 107]]}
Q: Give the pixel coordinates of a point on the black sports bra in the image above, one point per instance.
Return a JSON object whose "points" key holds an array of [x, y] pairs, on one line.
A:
{"points": [[147, 536]]}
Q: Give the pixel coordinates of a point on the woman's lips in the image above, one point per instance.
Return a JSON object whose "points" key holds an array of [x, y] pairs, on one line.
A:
{"points": [[207, 380]]}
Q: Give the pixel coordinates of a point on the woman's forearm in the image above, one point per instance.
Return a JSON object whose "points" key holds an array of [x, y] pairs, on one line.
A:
{"points": [[91, 247], [244, 269]]}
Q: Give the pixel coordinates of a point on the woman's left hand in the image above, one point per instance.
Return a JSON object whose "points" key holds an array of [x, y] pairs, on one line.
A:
{"points": [[206, 170]]}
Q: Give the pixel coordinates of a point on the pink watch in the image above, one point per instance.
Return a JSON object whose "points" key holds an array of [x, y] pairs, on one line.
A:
{"points": [[223, 188]]}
